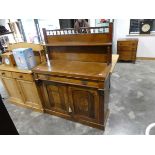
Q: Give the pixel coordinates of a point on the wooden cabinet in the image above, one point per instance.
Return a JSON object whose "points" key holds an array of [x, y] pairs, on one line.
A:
{"points": [[74, 83], [13, 90], [127, 49], [85, 103], [77, 102], [56, 97], [21, 87], [29, 94]]}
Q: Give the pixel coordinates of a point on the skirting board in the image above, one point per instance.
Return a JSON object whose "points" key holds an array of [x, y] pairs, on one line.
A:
{"points": [[145, 58]]}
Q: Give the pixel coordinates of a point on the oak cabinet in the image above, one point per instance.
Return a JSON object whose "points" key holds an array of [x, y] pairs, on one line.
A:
{"points": [[12, 89], [21, 87], [29, 93]]}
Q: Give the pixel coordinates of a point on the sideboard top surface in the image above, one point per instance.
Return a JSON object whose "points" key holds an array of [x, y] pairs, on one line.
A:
{"points": [[76, 69], [14, 69]]}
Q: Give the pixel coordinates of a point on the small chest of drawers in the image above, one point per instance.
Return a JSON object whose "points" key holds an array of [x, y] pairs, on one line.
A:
{"points": [[127, 49]]}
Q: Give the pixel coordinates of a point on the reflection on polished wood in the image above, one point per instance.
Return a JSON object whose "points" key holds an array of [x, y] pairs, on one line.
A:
{"points": [[76, 69]]}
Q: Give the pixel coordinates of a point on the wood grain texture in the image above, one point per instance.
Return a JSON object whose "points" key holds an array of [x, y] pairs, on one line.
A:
{"points": [[23, 76], [127, 49], [84, 54], [5, 73], [70, 80], [77, 69], [29, 93], [79, 39], [74, 84], [35, 47], [20, 87], [14, 69], [57, 96], [84, 102], [12, 89]]}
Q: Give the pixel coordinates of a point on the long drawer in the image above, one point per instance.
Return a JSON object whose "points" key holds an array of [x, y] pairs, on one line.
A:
{"points": [[127, 43], [95, 84], [127, 48], [5, 74], [22, 76], [127, 56]]}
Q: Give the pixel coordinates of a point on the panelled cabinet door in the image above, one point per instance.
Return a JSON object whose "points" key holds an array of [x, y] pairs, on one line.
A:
{"points": [[85, 103], [56, 97], [29, 93], [13, 90]]}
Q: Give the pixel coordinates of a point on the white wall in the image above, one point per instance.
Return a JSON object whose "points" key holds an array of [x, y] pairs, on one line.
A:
{"points": [[2, 22], [146, 45]]}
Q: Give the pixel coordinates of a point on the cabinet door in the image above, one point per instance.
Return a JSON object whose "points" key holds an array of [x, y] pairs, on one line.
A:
{"points": [[85, 103], [29, 93], [56, 97], [12, 89]]}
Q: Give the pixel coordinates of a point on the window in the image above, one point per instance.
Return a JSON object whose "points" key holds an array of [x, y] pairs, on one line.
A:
{"points": [[30, 30], [135, 26]]}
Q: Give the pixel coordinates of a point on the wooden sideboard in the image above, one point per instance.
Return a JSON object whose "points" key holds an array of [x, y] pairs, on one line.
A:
{"points": [[20, 84], [74, 83], [127, 49], [21, 87]]}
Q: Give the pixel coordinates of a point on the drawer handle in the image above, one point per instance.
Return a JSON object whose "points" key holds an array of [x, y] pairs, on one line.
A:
{"points": [[84, 82], [3, 73], [21, 76]]}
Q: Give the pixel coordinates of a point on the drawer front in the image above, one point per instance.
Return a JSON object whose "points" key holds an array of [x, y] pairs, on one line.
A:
{"points": [[126, 48], [5, 74], [127, 43], [127, 56], [22, 76], [70, 81]]}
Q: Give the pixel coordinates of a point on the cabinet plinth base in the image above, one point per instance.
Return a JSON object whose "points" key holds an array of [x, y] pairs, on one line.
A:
{"points": [[84, 122], [24, 105]]}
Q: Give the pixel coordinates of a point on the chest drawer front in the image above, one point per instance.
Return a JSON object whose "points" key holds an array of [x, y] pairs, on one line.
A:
{"points": [[5, 74], [127, 56], [126, 48], [127, 43], [23, 76], [69, 80]]}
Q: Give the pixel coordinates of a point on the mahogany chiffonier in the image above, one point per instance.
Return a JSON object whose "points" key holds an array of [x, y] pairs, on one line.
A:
{"points": [[127, 49], [74, 83]]}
